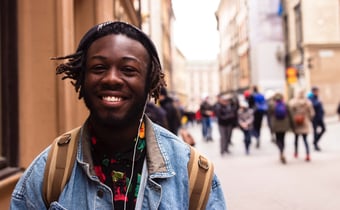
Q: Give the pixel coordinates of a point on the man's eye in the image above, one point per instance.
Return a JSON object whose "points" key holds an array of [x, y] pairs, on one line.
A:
{"points": [[98, 68], [128, 69]]}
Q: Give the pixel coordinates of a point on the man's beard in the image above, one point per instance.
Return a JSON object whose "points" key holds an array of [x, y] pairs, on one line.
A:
{"points": [[134, 115]]}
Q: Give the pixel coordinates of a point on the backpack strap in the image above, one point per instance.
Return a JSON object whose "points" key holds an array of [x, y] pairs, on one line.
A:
{"points": [[59, 165], [62, 155], [201, 172]]}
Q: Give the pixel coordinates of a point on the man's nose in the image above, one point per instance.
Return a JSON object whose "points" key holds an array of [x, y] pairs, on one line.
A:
{"points": [[112, 76]]}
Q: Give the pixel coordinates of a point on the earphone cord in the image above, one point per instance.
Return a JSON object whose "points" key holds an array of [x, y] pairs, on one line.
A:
{"points": [[134, 156], [132, 171]]}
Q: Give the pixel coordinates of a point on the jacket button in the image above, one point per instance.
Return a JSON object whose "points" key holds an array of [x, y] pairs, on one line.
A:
{"points": [[100, 193]]}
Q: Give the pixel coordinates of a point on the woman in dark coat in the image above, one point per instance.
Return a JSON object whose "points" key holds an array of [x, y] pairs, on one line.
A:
{"points": [[280, 118]]}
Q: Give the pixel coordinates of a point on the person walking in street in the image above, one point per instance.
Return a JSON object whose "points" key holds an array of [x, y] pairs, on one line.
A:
{"points": [[281, 122], [157, 114], [226, 114], [269, 96], [123, 160], [302, 113], [338, 111], [173, 114], [260, 110], [318, 122], [245, 117], [206, 111]]}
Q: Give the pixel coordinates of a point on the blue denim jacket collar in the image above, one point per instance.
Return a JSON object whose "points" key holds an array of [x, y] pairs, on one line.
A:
{"points": [[157, 159], [157, 165]]}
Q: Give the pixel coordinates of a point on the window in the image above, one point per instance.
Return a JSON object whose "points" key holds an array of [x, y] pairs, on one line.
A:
{"points": [[9, 89], [298, 24]]}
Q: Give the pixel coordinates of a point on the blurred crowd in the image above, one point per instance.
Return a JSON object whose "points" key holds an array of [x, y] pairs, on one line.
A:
{"points": [[302, 115]]}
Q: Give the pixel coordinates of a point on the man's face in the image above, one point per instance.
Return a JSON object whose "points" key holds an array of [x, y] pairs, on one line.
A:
{"points": [[115, 80]]}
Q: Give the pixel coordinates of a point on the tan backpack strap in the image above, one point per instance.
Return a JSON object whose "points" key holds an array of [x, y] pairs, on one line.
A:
{"points": [[59, 165], [201, 172]]}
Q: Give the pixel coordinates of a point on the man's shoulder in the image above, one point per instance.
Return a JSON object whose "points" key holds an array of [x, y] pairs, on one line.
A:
{"points": [[163, 132], [166, 137], [38, 164], [31, 181], [34, 173]]}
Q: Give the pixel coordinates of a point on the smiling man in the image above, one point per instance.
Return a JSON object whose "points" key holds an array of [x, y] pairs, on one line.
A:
{"points": [[123, 160]]}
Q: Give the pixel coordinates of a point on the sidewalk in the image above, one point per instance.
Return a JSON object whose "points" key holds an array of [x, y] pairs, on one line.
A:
{"points": [[259, 181]]}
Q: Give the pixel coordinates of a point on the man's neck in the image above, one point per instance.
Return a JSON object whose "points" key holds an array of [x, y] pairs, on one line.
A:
{"points": [[120, 138]]}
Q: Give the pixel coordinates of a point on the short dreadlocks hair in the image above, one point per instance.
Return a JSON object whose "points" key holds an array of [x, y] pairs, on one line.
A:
{"points": [[74, 68]]}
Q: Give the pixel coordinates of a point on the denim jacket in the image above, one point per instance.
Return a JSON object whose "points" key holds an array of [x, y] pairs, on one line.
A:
{"points": [[164, 183]]}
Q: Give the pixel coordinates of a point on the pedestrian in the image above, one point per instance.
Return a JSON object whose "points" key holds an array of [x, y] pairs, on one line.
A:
{"points": [[245, 118], [173, 114], [269, 96], [302, 113], [198, 117], [190, 115], [318, 122], [206, 111], [234, 101], [260, 108], [157, 114], [281, 122], [226, 114], [338, 110], [248, 96], [123, 159]]}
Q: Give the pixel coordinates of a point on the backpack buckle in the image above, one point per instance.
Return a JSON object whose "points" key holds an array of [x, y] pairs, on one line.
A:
{"points": [[203, 163], [65, 139]]}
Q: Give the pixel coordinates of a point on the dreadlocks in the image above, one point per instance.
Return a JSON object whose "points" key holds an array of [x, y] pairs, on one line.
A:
{"points": [[74, 68]]}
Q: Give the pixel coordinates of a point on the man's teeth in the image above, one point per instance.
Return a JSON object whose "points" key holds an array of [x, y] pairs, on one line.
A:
{"points": [[111, 98]]}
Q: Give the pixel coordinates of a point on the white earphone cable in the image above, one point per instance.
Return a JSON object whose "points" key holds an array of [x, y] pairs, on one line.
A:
{"points": [[134, 154]]}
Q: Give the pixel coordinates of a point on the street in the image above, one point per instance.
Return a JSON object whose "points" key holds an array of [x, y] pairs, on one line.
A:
{"points": [[260, 182]]}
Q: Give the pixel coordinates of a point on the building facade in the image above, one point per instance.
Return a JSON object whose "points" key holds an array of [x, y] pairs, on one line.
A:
{"points": [[36, 105], [204, 81], [312, 32], [157, 21], [181, 78], [266, 45], [251, 38], [228, 59]]}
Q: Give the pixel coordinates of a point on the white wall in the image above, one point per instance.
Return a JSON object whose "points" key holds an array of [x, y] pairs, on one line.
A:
{"points": [[271, 73], [266, 40]]}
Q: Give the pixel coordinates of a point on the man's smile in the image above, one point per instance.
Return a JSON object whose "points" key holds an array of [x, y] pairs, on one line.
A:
{"points": [[112, 98]]}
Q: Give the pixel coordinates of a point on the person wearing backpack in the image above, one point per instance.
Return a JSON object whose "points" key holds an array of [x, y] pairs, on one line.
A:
{"points": [[302, 114], [280, 118], [118, 159]]}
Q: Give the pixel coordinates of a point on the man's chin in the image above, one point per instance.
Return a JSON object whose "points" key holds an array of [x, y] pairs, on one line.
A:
{"points": [[113, 119], [108, 121]]}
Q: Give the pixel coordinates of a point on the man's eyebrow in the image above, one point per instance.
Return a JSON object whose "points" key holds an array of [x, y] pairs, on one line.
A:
{"points": [[98, 57], [125, 58], [133, 58], [140, 62]]}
